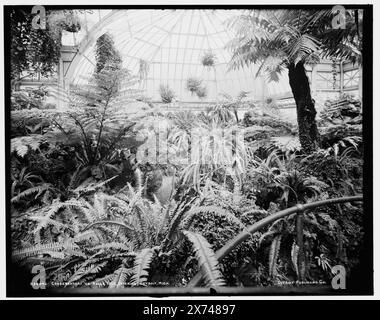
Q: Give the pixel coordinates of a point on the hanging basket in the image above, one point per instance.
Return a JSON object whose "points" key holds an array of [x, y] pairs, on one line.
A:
{"points": [[209, 59]]}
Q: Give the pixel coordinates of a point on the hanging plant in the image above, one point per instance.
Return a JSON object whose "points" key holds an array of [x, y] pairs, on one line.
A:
{"points": [[209, 59], [193, 85], [167, 94]]}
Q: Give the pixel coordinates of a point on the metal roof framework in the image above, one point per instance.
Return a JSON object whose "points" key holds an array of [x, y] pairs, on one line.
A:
{"points": [[172, 43]]}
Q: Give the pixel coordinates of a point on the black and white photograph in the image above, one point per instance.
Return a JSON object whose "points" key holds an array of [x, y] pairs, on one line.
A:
{"points": [[178, 150]]}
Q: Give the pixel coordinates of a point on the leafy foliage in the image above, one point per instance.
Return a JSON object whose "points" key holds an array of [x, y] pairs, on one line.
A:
{"points": [[206, 258]]}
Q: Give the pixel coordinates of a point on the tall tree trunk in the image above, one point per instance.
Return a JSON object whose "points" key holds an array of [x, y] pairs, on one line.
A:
{"points": [[307, 126]]}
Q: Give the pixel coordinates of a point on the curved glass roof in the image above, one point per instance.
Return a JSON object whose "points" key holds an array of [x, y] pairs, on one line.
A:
{"points": [[172, 43]]}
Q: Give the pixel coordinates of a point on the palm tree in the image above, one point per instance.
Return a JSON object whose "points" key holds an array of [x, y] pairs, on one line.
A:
{"points": [[288, 40]]}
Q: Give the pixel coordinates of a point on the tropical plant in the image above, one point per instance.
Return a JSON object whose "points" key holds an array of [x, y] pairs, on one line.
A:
{"points": [[167, 94], [289, 39]]}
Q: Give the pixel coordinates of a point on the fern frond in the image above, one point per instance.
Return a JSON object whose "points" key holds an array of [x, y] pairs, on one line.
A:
{"points": [[215, 210], [37, 189], [206, 259], [120, 277], [84, 271], [36, 250]]}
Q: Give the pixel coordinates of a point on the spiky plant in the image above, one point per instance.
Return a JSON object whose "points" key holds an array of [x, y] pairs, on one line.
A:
{"points": [[280, 40]]}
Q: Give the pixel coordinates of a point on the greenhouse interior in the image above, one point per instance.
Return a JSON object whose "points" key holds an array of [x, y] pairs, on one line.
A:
{"points": [[185, 149]]}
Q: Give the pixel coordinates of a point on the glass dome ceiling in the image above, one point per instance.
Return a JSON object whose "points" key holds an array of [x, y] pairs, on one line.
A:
{"points": [[172, 43]]}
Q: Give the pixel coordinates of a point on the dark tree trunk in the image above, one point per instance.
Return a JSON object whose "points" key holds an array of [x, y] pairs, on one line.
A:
{"points": [[307, 127]]}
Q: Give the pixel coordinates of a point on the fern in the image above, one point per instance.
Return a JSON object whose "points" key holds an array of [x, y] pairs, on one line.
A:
{"points": [[104, 281], [206, 259], [273, 255], [40, 249], [92, 187], [141, 266], [84, 271]]}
